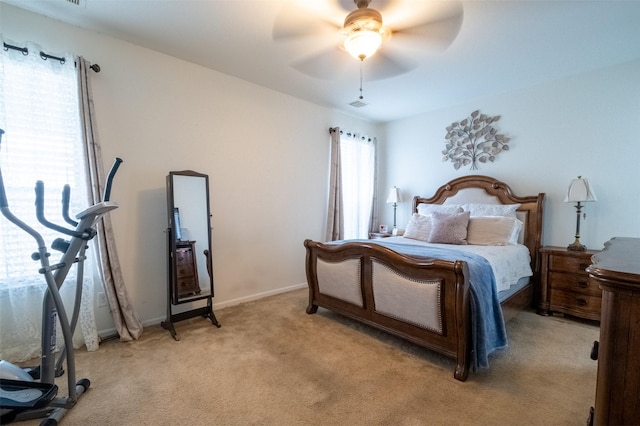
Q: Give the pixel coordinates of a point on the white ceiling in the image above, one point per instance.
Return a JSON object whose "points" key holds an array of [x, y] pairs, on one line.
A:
{"points": [[501, 45]]}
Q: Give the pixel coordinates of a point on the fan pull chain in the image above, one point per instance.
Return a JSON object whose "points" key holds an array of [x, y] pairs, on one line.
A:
{"points": [[361, 97]]}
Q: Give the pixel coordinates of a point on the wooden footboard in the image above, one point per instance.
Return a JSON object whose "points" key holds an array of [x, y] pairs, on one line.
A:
{"points": [[366, 282]]}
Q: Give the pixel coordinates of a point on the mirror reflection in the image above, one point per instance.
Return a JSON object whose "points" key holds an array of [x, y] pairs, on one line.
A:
{"points": [[191, 232]]}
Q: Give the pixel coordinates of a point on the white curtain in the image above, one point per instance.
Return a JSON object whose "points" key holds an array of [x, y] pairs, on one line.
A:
{"points": [[43, 141], [353, 183]]}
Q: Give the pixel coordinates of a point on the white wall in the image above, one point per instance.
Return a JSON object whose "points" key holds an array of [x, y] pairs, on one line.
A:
{"points": [[266, 155], [583, 125]]}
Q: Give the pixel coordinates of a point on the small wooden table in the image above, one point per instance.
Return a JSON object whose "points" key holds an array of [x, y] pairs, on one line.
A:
{"points": [[565, 285]]}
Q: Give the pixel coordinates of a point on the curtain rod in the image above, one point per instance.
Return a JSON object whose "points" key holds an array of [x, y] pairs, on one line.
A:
{"points": [[44, 55], [350, 134]]}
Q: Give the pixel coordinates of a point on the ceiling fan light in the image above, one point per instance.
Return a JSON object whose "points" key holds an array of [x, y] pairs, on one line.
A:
{"points": [[362, 44], [363, 31]]}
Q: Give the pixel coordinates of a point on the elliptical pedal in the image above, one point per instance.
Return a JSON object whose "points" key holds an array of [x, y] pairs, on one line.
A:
{"points": [[20, 395]]}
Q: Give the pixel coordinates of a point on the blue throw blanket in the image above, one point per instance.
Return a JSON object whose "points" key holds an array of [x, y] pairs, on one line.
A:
{"points": [[487, 323]]}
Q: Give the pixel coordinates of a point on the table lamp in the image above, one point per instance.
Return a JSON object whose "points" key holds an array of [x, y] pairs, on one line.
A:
{"points": [[579, 192], [394, 197]]}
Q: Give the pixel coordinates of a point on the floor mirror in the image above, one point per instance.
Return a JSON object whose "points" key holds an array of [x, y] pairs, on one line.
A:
{"points": [[189, 260]]}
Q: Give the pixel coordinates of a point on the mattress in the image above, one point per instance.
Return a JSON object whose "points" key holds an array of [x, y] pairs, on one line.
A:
{"points": [[510, 263]]}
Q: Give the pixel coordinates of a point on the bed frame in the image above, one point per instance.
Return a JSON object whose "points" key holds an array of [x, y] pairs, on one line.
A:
{"points": [[349, 288]]}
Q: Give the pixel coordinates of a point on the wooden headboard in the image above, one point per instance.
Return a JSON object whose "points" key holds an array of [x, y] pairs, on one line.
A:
{"points": [[485, 189]]}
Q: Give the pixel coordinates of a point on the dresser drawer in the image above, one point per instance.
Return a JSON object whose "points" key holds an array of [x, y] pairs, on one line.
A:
{"points": [[569, 263], [184, 257], [184, 272], [580, 304], [576, 283], [187, 285]]}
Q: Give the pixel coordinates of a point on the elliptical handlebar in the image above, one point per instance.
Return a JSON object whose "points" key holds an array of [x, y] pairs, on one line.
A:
{"points": [[40, 215], [66, 196], [3, 194], [85, 234], [112, 173]]}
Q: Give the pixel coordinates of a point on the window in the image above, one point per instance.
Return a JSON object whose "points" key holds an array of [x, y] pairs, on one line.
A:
{"points": [[358, 178], [39, 112]]}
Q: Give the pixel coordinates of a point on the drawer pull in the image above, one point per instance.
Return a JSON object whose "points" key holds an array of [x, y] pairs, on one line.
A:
{"points": [[581, 302], [583, 284]]}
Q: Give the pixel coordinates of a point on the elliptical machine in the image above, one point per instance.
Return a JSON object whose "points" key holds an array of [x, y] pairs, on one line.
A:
{"points": [[32, 394]]}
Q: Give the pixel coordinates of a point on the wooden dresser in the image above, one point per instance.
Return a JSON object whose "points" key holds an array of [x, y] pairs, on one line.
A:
{"points": [[565, 285], [186, 270], [617, 271]]}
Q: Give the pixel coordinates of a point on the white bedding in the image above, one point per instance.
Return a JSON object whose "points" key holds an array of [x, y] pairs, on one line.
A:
{"points": [[509, 262]]}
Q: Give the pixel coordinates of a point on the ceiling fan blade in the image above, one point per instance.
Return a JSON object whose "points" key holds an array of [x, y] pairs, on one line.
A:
{"points": [[329, 64], [436, 33], [303, 20], [385, 64], [334, 63]]}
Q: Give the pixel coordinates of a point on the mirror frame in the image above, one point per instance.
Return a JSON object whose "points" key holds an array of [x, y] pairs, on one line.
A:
{"points": [[172, 274]]}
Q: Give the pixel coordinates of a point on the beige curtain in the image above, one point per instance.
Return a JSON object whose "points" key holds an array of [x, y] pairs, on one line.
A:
{"points": [[126, 321], [373, 220], [335, 218]]}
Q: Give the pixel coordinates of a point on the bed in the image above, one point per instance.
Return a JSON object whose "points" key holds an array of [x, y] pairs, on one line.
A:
{"points": [[441, 296]]}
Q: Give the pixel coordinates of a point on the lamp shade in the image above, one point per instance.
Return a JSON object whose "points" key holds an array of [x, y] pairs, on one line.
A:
{"points": [[579, 191], [394, 195]]}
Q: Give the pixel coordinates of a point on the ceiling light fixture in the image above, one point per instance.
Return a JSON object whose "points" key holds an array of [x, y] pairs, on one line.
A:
{"points": [[363, 31]]}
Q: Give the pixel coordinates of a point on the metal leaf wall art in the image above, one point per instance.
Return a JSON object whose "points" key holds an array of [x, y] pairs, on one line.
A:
{"points": [[473, 140]]}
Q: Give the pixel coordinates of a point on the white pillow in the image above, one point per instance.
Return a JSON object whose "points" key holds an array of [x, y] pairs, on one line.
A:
{"points": [[418, 228], [516, 237], [479, 209], [449, 228], [493, 230], [428, 209]]}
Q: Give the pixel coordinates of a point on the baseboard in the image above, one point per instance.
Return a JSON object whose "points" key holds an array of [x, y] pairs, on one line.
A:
{"points": [[111, 332], [257, 296]]}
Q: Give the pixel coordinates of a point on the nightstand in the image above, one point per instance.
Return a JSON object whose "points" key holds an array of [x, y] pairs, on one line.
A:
{"points": [[565, 286], [376, 235]]}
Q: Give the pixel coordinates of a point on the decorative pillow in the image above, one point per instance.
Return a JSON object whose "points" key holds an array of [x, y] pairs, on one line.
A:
{"points": [[493, 230], [428, 209], [478, 209], [449, 228], [418, 228]]}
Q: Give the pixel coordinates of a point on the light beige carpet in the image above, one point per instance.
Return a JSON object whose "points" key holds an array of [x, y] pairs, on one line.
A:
{"points": [[273, 364]]}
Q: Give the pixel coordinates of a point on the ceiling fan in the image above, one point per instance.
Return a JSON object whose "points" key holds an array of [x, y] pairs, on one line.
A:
{"points": [[392, 40]]}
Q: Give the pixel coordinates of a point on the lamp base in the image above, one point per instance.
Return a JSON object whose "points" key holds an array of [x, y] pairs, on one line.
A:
{"points": [[576, 246]]}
